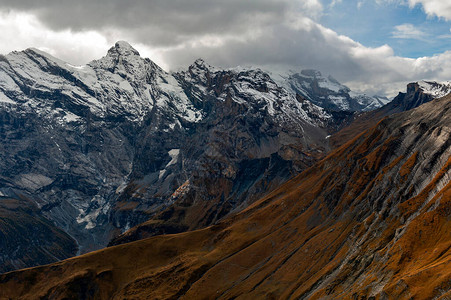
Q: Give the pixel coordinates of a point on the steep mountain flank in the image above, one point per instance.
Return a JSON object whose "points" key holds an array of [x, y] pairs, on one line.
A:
{"points": [[372, 219], [169, 221], [239, 151], [69, 133]]}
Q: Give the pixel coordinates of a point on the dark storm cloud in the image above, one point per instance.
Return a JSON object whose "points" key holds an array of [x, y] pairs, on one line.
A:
{"points": [[310, 45], [225, 32], [161, 22]]}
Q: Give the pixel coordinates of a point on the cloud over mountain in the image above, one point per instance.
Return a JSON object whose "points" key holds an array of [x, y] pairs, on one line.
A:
{"points": [[225, 33]]}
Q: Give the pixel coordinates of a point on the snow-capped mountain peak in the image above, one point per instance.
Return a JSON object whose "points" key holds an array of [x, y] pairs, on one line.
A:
{"points": [[434, 88], [200, 70], [200, 63], [120, 84], [122, 48], [125, 60]]}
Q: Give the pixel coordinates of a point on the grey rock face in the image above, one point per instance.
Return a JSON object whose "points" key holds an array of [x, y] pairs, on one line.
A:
{"points": [[253, 136], [415, 96], [70, 134]]}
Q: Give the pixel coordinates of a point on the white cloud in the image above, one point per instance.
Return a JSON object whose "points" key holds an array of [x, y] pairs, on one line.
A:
{"points": [[433, 8], [439, 8], [166, 23], [334, 2], [23, 30], [408, 31], [310, 45]]}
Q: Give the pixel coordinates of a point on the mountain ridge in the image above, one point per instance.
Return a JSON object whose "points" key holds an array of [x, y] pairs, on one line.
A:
{"points": [[104, 147]]}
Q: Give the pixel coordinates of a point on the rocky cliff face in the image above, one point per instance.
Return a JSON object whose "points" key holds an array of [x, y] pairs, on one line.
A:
{"points": [[103, 147], [370, 221]]}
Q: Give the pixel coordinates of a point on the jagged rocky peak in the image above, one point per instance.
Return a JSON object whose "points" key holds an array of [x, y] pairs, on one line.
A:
{"points": [[317, 75], [122, 48], [33, 57], [200, 70], [33, 51], [418, 93], [413, 87], [324, 90], [125, 60], [327, 83], [200, 63]]}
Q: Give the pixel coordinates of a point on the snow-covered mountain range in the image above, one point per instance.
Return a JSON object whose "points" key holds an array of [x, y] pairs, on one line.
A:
{"points": [[100, 148], [325, 91]]}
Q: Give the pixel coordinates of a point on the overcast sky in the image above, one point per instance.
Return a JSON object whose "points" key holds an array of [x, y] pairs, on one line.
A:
{"points": [[374, 46]]}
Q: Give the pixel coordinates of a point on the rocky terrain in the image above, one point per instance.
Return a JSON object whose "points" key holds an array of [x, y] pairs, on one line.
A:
{"points": [[88, 152], [417, 93], [170, 220], [100, 148], [369, 221]]}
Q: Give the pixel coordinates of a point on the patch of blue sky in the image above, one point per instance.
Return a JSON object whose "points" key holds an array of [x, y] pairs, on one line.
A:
{"points": [[407, 30]]}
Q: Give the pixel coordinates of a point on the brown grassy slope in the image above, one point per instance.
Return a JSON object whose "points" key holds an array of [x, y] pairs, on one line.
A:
{"points": [[361, 123], [355, 225]]}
